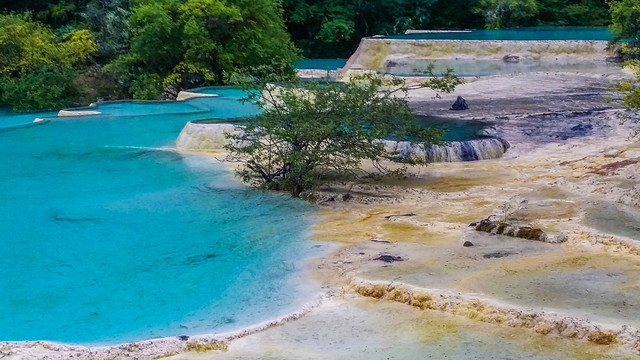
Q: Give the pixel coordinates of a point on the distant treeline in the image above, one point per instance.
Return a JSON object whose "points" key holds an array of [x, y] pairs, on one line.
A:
{"points": [[58, 52], [330, 28]]}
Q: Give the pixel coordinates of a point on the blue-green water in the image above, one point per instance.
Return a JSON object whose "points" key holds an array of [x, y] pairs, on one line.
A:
{"points": [[321, 64], [533, 33], [108, 236], [455, 129]]}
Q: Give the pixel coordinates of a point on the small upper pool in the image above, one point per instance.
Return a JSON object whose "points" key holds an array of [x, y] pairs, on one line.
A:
{"points": [[521, 34], [471, 68], [321, 64], [455, 129]]}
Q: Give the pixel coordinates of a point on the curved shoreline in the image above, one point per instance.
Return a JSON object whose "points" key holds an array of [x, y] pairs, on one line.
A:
{"points": [[159, 347]]}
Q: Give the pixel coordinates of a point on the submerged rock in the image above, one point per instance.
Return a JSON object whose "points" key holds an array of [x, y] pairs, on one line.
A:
{"points": [[460, 104], [522, 232]]}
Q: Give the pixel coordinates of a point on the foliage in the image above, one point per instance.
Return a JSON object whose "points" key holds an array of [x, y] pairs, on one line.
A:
{"points": [[329, 28], [37, 71], [147, 87], [199, 42], [625, 17], [108, 19], [511, 207], [630, 88], [44, 87], [573, 13], [507, 13], [307, 129]]}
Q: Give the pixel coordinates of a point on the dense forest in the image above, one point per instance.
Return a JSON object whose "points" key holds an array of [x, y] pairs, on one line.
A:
{"points": [[61, 52]]}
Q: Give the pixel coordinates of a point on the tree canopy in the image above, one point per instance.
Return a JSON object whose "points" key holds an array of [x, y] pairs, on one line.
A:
{"points": [[329, 28], [625, 16], [37, 69], [185, 44], [309, 129]]}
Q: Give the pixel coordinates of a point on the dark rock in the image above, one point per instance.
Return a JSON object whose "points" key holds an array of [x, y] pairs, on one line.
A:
{"points": [[389, 258], [467, 244], [473, 224], [381, 241], [497, 254], [582, 128], [400, 215], [346, 197], [460, 104], [183, 337], [511, 59]]}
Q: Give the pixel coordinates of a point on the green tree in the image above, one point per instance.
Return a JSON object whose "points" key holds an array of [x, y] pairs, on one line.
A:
{"points": [[199, 42], [573, 13], [108, 19], [507, 13], [36, 70], [309, 129], [625, 17], [328, 28]]}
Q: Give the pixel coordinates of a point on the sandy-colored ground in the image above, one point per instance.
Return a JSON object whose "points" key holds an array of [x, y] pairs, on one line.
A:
{"points": [[503, 298]]}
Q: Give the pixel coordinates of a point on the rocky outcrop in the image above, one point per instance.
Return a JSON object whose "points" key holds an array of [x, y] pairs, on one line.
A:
{"points": [[522, 232], [72, 113], [204, 136], [453, 151], [374, 53]]}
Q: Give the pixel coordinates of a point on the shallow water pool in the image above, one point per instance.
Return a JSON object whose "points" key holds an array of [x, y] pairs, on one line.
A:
{"points": [[616, 220], [107, 235], [471, 68]]}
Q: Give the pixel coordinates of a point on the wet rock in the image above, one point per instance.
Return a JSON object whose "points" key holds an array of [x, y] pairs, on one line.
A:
{"points": [[460, 104], [183, 337], [389, 258], [511, 59], [468, 244]]}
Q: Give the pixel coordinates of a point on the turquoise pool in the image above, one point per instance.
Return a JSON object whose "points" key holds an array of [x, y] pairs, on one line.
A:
{"points": [[321, 64], [110, 236], [526, 34]]}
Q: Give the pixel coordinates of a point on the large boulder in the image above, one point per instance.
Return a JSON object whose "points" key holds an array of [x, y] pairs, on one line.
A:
{"points": [[460, 104]]}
